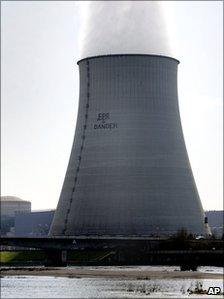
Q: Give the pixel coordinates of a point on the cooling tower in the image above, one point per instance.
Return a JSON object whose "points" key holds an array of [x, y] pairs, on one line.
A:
{"points": [[129, 172]]}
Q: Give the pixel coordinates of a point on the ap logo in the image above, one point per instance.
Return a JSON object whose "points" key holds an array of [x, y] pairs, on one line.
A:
{"points": [[214, 291]]}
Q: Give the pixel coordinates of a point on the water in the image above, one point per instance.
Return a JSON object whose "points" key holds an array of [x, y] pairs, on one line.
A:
{"points": [[63, 287]]}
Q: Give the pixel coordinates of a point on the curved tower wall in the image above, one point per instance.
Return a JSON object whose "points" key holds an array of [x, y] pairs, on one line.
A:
{"points": [[129, 172]]}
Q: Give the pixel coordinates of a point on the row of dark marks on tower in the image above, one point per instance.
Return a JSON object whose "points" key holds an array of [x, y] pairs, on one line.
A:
{"points": [[83, 137]]}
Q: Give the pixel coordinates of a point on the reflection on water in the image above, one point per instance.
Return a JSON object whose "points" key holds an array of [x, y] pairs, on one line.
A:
{"points": [[61, 287]]}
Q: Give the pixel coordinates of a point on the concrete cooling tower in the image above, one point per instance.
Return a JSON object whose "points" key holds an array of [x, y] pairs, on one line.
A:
{"points": [[129, 172]]}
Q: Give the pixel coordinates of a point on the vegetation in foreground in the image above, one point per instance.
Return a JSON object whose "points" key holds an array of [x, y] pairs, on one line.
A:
{"points": [[7, 257]]}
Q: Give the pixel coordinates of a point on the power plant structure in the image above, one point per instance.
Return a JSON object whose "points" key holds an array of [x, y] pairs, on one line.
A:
{"points": [[129, 173], [12, 205]]}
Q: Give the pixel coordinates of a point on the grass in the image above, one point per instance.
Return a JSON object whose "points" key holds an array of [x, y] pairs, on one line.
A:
{"points": [[90, 255], [21, 256], [39, 255]]}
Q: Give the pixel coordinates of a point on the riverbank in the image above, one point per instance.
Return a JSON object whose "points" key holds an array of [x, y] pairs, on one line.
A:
{"points": [[91, 272]]}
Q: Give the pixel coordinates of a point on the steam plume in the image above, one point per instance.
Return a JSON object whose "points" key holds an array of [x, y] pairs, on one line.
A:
{"points": [[124, 27]]}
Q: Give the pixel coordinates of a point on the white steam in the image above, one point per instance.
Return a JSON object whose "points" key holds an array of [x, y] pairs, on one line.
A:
{"points": [[124, 27]]}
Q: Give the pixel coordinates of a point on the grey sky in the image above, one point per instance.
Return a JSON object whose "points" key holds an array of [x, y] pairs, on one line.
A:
{"points": [[40, 86]]}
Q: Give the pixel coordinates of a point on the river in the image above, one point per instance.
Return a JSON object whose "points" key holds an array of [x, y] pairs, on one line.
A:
{"points": [[28, 286]]}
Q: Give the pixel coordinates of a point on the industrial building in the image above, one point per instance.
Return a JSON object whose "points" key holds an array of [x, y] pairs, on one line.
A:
{"points": [[11, 205], [216, 222], [35, 223], [129, 173], [17, 219]]}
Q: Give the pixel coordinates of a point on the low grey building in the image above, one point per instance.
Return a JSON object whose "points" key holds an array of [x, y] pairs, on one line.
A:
{"points": [[10, 205], [36, 223], [216, 222]]}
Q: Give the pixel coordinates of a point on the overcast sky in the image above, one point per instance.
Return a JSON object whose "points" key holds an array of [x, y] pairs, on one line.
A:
{"points": [[40, 87]]}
